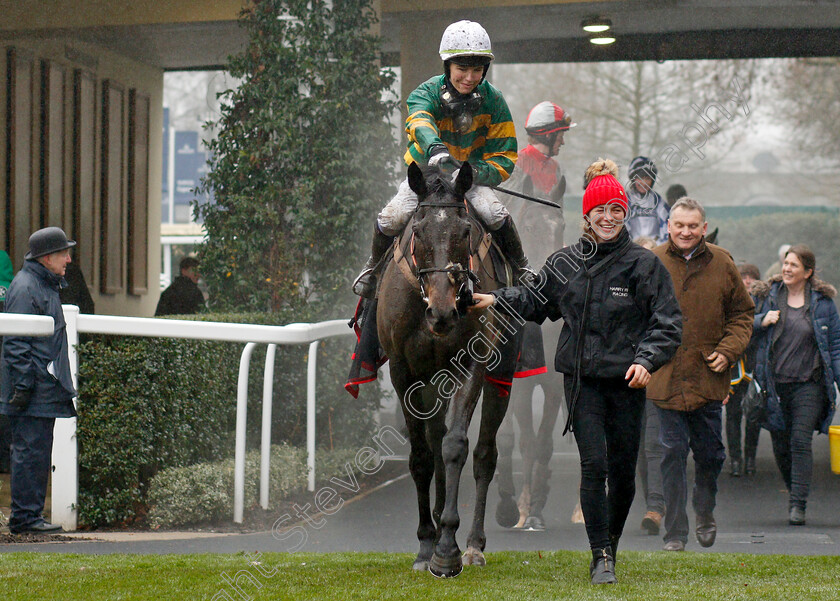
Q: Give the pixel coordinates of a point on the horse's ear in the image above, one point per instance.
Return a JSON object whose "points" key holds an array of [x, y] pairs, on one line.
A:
{"points": [[464, 180], [416, 181]]}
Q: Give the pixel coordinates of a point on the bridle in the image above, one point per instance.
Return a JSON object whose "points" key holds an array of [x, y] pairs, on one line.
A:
{"points": [[455, 270]]}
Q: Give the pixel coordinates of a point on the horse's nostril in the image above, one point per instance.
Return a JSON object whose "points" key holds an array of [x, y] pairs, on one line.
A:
{"points": [[430, 314]]}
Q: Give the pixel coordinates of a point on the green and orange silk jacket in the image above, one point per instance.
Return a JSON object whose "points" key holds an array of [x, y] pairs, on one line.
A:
{"points": [[489, 145]]}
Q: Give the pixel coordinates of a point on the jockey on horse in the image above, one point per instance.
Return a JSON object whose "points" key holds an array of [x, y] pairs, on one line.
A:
{"points": [[452, 118]]}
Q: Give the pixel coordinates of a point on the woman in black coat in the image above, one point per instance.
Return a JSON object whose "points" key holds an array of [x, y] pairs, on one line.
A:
{"points": [[622, 322]]}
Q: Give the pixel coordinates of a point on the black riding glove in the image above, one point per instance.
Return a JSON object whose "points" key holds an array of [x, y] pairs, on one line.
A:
{"points": [[20, 398]]}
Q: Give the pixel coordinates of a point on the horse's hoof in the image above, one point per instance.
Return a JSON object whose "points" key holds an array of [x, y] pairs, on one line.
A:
{"points": [[420, 565], [445, 568], [507, 513], [534, 523], [473, 557]]}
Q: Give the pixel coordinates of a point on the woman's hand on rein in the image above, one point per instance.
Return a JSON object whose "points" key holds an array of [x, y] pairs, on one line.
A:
{"points": [[481, 301]]}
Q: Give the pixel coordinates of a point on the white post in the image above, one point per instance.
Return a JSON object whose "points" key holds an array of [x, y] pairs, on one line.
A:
{"points": [[65, 460], [311, 373], [241, 417], [265, 444]]}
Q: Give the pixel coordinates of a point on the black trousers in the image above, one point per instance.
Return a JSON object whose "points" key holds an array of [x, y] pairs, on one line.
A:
{"points": [[701, 432], [5, 444], [32, 440], [802, 405], [607, 425]]}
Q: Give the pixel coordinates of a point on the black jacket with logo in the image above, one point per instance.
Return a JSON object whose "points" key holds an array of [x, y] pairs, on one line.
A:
{"points": [[632, 314]]}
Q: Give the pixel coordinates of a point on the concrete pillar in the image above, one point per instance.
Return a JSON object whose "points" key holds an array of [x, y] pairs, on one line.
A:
{"points": [[419, 43]]}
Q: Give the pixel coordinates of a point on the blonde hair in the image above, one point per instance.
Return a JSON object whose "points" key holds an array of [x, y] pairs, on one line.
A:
{"points": [[645, 242], [600, 167]]}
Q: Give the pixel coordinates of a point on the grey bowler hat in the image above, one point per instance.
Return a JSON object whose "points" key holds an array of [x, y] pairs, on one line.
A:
{"points": [[47, 241]]}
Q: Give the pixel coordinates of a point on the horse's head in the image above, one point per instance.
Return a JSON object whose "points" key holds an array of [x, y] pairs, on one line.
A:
{"points": [[442, 246]]}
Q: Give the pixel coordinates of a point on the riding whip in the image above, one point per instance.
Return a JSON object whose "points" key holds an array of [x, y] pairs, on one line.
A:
{"points": [[526, 197]]}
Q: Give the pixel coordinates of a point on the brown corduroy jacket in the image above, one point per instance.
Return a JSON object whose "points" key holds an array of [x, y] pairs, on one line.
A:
{"points": [[717, 316]]}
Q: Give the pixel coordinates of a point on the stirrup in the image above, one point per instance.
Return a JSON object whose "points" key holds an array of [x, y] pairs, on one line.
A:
{"points": [[365, 284], [525, 276]]}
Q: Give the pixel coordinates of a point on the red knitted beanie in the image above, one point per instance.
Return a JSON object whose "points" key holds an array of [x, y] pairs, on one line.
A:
{"points": [[603, 187]]}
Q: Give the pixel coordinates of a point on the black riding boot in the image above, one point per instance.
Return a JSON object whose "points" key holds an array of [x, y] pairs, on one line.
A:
{"points": [[365, 284], [508, 239]]}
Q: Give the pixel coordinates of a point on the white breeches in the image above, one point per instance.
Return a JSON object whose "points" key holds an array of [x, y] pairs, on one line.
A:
{"points": [[399, 210]]}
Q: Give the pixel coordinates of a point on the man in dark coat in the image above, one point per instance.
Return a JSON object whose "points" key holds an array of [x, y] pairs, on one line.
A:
{"points": [[36, 381], [690, 390], [183, 296]]}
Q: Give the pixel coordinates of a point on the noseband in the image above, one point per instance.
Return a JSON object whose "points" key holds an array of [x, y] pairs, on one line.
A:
{"points": [[465, 291]]}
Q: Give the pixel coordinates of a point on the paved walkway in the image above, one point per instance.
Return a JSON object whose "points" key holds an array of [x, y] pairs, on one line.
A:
{"points": [[751, 516]]}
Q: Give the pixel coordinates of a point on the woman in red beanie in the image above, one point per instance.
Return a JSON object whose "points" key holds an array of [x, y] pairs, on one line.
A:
{"points": [[621, 323]]}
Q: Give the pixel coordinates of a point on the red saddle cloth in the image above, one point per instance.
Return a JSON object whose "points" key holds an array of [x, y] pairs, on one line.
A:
{"points": [[368, 355]]}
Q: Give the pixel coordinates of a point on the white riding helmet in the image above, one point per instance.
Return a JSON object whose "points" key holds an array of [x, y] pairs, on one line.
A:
{"points": [[465, 38], [547, 118]]}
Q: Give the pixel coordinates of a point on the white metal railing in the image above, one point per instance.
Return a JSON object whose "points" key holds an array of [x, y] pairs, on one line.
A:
{"points": [[65, 454], [26, 325]]}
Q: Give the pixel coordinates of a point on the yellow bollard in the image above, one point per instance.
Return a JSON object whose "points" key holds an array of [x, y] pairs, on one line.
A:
{"points": [[834, 447]]}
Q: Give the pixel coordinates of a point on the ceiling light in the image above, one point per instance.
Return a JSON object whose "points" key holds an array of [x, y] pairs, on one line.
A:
{"points": [[596, 24], [602, 39]]}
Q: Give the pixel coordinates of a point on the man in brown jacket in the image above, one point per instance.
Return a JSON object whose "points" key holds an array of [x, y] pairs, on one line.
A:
{"points": [[691, 389]]}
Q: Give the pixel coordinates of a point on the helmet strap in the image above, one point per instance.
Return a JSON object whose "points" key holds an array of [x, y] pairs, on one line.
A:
{"points": [[548, 141], [551, 139]]}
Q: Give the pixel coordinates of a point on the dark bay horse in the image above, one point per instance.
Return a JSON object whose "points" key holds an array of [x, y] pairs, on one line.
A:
{"points": [[439, 354]]}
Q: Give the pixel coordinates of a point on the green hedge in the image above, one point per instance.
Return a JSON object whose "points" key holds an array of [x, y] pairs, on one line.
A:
{"points": [[203, 493], [149, 404]]}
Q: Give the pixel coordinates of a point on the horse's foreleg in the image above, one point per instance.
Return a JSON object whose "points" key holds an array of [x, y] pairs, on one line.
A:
{"points": [[446, 561], [493, 410], [435, 429], [421, 465]]}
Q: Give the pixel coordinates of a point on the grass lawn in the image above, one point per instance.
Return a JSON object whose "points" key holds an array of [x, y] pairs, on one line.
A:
{"points": [[348, 576]]}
